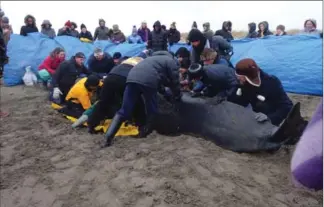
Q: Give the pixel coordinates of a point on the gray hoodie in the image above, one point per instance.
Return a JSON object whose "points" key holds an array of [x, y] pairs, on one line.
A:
{"points": [[50, 32]]}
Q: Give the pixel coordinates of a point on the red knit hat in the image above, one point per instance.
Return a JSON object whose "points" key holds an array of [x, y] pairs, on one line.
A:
{"points": [[248, 68], [68, 24]]}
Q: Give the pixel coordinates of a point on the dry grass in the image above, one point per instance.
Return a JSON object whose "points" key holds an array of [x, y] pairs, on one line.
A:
{"points": [[240, 34]]}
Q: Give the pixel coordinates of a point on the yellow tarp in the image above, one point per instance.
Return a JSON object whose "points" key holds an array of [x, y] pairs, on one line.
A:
{"points": [[128, 130]]}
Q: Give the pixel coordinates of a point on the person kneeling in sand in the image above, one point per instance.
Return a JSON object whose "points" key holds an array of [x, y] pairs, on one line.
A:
{"points": [[212, 79], [67, 74], [263, 91], [112, 92], [79, 97]]}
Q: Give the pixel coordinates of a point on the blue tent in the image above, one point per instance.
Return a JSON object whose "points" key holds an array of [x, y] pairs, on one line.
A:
{"points": [[296, 60]]}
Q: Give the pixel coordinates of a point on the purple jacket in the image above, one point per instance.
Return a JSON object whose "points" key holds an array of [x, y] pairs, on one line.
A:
{"points": [[144, 33]]}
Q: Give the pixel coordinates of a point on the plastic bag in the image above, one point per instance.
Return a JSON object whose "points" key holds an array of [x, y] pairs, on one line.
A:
{"points": [[30, 79]]}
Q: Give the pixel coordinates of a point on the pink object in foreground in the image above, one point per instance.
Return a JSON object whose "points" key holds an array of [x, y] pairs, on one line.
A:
{"points": [[307, 160]]}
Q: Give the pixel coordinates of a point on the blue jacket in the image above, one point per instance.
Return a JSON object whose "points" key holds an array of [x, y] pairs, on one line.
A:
{"points": [[102, 66], [276, 105], [134, 39], [218, 79]]}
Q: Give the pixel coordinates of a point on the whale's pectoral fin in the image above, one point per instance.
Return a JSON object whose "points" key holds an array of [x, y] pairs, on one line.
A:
{"points": [[291, 129]]}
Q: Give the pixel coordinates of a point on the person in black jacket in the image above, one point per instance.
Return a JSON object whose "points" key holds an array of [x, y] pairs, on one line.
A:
{"points": [[112, 91], [147, 78], [100, 63], [66, 75], [173, 34], [212, 80], [30, 26], [252, 31], [226, 31], [158, 39], [264, 29], [262, 91], [85, 34]]}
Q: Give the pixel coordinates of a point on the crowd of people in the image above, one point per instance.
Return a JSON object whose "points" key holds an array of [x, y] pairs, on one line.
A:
{"points": [[129, 85]]}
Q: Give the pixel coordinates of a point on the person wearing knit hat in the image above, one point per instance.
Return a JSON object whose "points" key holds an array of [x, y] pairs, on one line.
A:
{"points": [[66, 75], [173, 34], [65, 30], [134, 38], [280, 31], [85, 35], [79, 96], [198, 42], [262, 91]]}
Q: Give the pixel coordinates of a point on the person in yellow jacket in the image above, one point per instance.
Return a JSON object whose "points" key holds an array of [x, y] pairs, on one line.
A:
{"points": [[79, 97]]}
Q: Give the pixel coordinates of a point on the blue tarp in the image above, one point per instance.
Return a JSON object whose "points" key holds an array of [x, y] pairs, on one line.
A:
{"points": [[296, 60]]}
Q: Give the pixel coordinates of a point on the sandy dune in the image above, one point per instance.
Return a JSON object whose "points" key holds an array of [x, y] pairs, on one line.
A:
{"points": [[44, 163]]}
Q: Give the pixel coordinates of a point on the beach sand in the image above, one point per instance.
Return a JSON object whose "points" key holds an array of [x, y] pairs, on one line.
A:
{"points": [[45, 163]]}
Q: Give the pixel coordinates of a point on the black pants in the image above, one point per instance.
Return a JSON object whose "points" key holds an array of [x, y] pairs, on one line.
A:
{"points": [[110, 100], [72, 109]]}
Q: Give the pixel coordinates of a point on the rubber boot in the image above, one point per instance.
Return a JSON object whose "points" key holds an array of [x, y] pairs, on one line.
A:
{"points": [[112, 130], [80, 121], [291, 129], [146, 129]]}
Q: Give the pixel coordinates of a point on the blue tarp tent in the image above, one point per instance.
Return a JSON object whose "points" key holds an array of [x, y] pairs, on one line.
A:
{"points": [[296, 60]]}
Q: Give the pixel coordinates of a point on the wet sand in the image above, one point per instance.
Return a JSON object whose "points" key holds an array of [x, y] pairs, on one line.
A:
{"points": [[45, 163]]}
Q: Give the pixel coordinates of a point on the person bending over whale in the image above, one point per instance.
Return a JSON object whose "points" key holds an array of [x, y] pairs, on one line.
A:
{"points": [[212, 79], [262, 91], [145, 80], [66, 75], [79, 97], [111, 93]]}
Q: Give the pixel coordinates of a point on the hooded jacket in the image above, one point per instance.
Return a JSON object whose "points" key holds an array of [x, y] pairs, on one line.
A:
{"points": [[156, 71], [26, 29], [266, 29], [225, 33], [102, 32], [276, 105], [50, 32], [208, 32], [117, 35], [193, 36], [314, 30], [252, 32], [158, 39], [173, 36]]}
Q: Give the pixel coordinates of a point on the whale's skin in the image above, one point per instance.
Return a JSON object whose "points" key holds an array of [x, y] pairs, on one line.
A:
{"points": [[228, 125]]}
